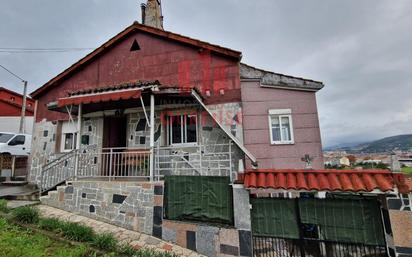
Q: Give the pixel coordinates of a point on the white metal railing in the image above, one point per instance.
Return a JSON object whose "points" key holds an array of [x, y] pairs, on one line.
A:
{"points": [[112, 163]]}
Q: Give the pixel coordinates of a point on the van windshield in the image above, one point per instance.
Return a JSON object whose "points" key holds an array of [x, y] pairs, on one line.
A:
{"points": [[4, 138]]}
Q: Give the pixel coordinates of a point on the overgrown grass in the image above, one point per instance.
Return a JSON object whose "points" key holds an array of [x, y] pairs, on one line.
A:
{"points": [[18, 242], [77, 232], [51, 224], [3, 206], [106, 242], [26, 214]]}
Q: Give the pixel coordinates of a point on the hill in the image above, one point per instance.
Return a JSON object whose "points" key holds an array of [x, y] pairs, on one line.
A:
{"points": [[387, 144]]}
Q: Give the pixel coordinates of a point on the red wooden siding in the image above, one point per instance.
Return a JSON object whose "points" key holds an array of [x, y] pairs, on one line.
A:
{"points": [[173, 64]]}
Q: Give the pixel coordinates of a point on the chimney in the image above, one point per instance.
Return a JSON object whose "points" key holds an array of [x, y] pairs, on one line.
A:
{"points": [[152, 14], [143, 8]]}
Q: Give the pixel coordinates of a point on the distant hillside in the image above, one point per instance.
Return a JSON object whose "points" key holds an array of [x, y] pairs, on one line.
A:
{"points": [[387, 144]]}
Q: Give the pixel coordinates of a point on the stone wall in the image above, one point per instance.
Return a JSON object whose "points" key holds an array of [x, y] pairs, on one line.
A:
{"points": [[126, 204], [400, 215], [42, 147], [138, 206]]}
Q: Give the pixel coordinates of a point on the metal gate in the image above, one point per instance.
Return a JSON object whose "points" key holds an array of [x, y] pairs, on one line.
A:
{"points": [[297, 239]]}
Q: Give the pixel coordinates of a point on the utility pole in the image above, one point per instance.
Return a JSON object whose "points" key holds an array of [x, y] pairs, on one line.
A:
{"points": [[23, 109], [23, 106]]}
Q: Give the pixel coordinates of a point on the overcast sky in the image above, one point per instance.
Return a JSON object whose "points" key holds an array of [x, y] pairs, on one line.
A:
{"points": [[361, 50]]}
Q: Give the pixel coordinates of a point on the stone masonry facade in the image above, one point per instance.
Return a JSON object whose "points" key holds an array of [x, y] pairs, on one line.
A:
{"points": [[138, 206]]}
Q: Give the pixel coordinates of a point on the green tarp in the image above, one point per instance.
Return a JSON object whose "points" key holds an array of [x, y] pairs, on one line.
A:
{"points": [[199, 198], [356, 221], [274, 217], [343, 220]]}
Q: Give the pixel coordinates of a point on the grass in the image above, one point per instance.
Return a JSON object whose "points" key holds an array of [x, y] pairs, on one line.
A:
{"points": [[29, 240], [407, 170], [26, 214], [3, 206], [18, 242], [106, 242]]}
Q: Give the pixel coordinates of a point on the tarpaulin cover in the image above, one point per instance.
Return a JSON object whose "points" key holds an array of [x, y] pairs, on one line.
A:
{"points": [[274, 217], [356, 221], [200, 198], [343, 220]]}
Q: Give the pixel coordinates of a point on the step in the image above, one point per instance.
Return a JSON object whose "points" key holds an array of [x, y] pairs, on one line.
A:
{"points": [[14, 183]]}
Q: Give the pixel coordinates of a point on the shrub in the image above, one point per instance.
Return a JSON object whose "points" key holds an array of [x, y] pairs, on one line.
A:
{"points": [[51, 224], [26, 214], [106, 242], [3, 205], [77, 232]]}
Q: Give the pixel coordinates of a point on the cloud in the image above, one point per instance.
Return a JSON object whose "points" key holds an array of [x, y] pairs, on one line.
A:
{"points": [[361, 50]]}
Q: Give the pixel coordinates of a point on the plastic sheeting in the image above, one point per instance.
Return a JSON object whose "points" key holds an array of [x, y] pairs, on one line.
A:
{"points": [[199, 198]]}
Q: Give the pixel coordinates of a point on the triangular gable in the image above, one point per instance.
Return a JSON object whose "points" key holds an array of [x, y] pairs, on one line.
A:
{"points": [[131, 29]]}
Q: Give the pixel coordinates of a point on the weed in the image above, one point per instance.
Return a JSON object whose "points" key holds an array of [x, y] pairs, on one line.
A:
{"points": [[77, 232], [26, 214], [106, 242], [51, 224], [3, 206]]}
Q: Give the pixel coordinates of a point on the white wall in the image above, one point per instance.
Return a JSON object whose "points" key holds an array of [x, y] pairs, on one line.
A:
{"points": [[11, 124]]}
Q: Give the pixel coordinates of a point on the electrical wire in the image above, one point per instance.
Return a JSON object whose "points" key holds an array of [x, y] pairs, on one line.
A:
{"points": [[42, 50], [12, 73]]}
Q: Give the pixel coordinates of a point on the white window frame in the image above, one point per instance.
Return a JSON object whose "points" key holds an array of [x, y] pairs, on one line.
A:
{"points": [[279, 114], [68, 128], [182, 130]]}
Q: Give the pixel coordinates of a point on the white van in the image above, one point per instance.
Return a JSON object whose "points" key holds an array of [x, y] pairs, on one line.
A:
{"points": [[15, 144]]}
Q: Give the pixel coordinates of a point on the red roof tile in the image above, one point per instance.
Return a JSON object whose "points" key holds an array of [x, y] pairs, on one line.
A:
{"points": [[326, 180]]}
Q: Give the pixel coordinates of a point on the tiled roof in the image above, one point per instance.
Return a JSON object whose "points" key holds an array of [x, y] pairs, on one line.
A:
{"points": [[114, 88], [326, 180]]}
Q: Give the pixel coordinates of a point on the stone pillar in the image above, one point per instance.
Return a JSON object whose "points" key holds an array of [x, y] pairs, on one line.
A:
{"points": [[242, 219]]}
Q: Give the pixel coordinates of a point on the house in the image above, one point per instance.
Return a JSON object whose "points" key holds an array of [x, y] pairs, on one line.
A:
{"points": [[176, 138], [10, 111]]}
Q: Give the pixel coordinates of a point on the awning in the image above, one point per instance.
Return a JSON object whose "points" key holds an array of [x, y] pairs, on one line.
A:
{"points": [[99, 97], [326, 180]]}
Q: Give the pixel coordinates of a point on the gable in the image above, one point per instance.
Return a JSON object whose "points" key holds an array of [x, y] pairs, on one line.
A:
{"points": [[172, 62]]}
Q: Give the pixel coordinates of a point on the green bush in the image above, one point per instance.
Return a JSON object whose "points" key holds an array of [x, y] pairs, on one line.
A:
{"points": [[106, 242], [77, 232], [51, 224], [3, 205], [26, 214]]}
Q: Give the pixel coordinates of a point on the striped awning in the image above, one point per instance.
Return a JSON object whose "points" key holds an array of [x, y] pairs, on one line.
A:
{"points": [[99, 97]]}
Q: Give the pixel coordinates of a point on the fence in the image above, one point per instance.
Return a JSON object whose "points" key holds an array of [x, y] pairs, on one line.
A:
{"points": [[283, 247]]}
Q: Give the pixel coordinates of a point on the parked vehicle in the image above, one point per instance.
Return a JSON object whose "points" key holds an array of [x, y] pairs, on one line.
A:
{"points": [[15, 144]]}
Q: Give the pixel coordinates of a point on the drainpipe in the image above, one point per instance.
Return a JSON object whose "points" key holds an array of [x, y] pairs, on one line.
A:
{"points": [[152, 125]]}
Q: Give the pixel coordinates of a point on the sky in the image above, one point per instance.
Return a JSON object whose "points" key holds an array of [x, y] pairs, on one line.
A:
{"points": [[360, 50]]}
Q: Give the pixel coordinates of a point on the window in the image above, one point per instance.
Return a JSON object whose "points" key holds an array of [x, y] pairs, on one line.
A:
{"points": [[182, 129], [70, 140], [4, 138], [280, 124], [17, 140]]}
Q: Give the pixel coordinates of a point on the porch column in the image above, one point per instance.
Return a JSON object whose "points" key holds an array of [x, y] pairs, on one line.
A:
{"points": [[152, 125], [78, 139], [79, 126]]}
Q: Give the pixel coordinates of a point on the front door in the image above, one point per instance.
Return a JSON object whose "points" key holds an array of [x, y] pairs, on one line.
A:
{"points": [[114, 131]]}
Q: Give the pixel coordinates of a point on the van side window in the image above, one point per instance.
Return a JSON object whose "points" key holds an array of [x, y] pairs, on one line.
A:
{"points": [[18, 140]]}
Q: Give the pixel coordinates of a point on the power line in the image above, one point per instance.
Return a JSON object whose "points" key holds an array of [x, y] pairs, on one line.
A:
{"points": [[12, 73], [42, 50]]}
